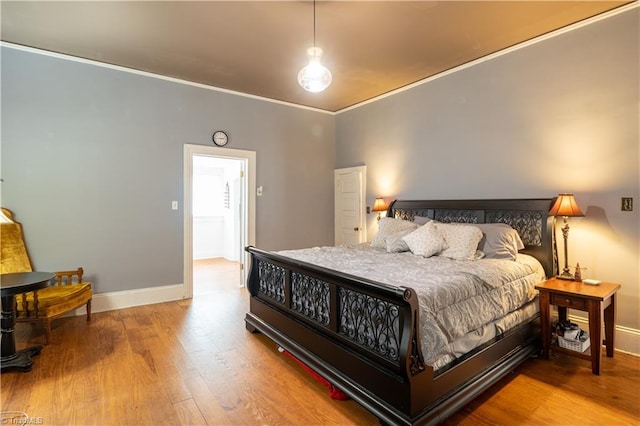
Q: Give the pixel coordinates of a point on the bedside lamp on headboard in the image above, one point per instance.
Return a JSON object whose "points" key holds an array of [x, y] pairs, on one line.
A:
{"points": [[565, 206], [379, 206]]}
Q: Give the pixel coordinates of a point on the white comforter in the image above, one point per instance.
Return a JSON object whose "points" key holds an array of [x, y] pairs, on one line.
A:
{"points": [[456, 297]]}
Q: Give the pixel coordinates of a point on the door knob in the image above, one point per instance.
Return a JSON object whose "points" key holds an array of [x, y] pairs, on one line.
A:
{"points": [[356, 229]]}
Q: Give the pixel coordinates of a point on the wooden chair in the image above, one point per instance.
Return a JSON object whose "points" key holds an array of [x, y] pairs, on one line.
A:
{"points": [[43, 306]]}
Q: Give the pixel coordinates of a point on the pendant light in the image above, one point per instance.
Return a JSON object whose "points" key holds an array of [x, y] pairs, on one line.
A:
{"points": [[314, 77]]}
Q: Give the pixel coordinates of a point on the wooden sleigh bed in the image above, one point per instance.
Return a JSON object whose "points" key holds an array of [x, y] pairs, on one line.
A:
{"points": [[393, 383]]}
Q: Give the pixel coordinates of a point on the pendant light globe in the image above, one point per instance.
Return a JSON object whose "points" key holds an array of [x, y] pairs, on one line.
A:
{"points": [[314, 77]]}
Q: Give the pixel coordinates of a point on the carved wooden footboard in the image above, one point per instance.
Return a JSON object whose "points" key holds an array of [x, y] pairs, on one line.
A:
{"points": [[362, 336], [334, 322]]}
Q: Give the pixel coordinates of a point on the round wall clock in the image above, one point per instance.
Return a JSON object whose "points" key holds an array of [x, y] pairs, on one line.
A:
{"points": [[220, 138]]}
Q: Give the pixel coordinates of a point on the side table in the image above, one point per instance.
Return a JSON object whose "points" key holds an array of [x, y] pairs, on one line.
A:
{"points": [[597, 300], [10, 285]]}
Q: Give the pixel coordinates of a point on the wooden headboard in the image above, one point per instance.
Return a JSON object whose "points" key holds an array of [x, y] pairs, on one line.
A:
{"points": [[530, 217]]}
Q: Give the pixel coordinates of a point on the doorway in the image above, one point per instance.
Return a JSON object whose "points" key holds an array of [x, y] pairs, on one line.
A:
{"points": [[219, 216]]}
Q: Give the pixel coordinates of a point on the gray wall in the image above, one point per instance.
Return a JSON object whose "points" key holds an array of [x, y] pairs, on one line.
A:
{"points": [[92, 158], [558, 116]]}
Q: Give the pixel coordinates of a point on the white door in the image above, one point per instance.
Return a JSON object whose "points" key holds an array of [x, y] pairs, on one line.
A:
{"points": [[350, 191]]}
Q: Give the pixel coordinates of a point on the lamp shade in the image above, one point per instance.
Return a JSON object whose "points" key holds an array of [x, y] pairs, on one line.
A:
{"points": [[565, 205], [379, 205]]}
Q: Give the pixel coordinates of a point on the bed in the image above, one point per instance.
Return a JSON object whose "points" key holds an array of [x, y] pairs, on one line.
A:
{"points": [[367, 337]]}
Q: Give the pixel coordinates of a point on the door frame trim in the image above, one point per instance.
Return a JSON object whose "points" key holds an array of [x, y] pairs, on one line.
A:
{"points": [[189, 151]]}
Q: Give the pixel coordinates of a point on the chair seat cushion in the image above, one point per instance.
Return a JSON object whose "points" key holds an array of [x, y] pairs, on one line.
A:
{"points": [[57, 299]]}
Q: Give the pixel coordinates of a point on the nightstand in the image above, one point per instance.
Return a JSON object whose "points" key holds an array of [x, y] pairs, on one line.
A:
{"points": [[597, 300]]}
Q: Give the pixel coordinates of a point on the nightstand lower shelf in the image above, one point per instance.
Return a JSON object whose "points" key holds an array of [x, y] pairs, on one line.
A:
{"points": [[584, 355]]}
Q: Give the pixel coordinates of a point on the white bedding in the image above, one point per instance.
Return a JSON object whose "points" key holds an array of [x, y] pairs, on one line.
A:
{"points": [[456, 298]]}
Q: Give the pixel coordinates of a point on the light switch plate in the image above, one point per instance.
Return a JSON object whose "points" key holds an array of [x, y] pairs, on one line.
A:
{"points": [[174, 205], [627, 204]]}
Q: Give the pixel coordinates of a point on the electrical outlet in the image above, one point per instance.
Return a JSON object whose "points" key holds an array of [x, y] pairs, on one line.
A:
{"points": [[627, 204]]}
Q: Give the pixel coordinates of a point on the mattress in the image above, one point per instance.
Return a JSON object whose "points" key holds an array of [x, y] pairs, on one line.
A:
{"points": [[462, 303]]}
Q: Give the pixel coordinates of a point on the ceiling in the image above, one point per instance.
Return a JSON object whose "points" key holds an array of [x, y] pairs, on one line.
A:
{"points": [[258, 47]]}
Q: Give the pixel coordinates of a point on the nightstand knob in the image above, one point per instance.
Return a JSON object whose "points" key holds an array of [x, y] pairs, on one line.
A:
{"points": [[568, 301]]}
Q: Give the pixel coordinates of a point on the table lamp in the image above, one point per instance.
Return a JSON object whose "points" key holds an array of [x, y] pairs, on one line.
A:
{"points": [[565, 206], [379, 206]]}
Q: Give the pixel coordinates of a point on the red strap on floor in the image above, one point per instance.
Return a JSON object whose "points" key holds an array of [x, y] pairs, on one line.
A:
{"points": [[334, 392]]}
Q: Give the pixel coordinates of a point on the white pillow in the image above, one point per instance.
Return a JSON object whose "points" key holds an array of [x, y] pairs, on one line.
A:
{"points": [[462, 241], [499, 241], [425, 241], [395, 243], [388, 226]]}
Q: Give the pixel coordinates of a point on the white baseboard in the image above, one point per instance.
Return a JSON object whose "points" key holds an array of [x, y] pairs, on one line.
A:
{"points": [[126, 299], [626, 339], [207, 254]]}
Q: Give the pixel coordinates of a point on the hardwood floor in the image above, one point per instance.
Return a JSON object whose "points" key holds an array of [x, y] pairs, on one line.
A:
{"points": [[208, 274], [192, 362]]}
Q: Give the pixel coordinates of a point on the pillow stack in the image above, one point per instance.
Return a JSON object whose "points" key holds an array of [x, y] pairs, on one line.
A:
{"points": [[452, 240], [391, 230]]}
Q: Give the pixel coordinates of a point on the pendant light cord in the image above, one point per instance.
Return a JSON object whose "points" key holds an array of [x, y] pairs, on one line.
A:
{"points": [[314, 23]]}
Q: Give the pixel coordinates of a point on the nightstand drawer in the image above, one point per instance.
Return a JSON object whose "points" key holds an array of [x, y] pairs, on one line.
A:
{"points": [[568, 301]]}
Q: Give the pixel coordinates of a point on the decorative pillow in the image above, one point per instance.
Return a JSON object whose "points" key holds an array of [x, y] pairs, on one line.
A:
{"points": [[395, 243], [462, 240], [425, 241], [499, 241], [421, 220], [388, 226]]}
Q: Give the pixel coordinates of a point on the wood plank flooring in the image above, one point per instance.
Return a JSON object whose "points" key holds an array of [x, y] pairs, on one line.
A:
{"points": [[192, 362]]}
